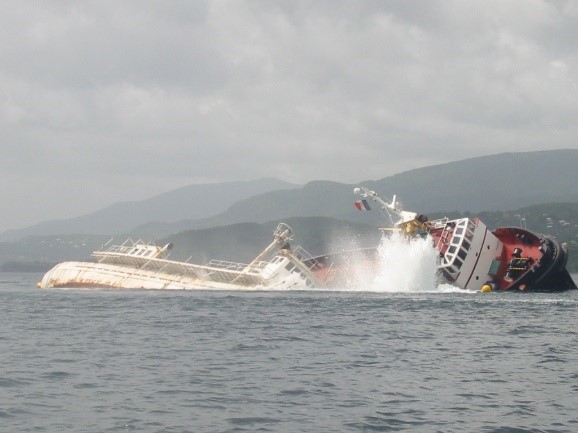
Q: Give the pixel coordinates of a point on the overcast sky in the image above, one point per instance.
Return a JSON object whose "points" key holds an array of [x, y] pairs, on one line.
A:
{"points": [[105, 101]]}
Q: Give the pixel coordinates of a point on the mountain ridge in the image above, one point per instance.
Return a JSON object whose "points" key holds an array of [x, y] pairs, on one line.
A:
{"points": [[242, 241], [173, 205], [492, 182], [488, 183]]}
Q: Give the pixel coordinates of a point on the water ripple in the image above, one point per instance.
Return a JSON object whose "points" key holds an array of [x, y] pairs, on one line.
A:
{"points": [[107, 361]]}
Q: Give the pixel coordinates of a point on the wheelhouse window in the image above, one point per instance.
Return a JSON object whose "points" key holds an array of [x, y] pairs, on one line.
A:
{"points": [[462, 254], [459, 245]]}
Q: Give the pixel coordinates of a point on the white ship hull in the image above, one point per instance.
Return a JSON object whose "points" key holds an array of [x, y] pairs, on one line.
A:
{"points": [[143, 266], [96, 275]]}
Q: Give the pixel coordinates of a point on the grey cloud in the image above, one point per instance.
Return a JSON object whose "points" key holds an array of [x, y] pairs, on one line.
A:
{"points": [[93, 94]]}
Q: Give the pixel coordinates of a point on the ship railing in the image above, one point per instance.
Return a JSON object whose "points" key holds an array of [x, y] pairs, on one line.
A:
{"points": [[125, 247], [117, 249], [129, 249], [233, 266], [305, 256], [446, 234], [302, 253], [439, 223]]}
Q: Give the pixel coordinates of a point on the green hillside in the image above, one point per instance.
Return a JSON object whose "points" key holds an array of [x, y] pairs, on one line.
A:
{"points": [[318, 210], [496, 182], [242, 242], [505, 181]]}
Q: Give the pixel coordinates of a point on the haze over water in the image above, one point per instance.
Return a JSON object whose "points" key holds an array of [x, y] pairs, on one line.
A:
{"points": [[421, 358]]}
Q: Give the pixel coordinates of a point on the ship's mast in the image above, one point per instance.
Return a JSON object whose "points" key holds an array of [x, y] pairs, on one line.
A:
{"points": [[389, 208], [283, 234]]}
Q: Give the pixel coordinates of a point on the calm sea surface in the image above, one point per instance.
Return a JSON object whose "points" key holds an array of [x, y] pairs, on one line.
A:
{"points": [[144, 361]]}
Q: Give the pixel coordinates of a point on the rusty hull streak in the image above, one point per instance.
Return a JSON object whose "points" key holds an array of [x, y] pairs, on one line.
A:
{"points": [[88, 285]]}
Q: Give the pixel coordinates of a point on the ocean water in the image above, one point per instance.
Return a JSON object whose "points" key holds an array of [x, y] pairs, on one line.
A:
{"points": [[301, 361]]}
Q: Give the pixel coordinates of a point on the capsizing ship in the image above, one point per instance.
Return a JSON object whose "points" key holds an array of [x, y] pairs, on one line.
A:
{"points": [[140, 265], [471, 257]]}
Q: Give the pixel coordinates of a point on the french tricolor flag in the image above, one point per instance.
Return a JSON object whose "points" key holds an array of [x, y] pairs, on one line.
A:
{"points": [[362, 205]]}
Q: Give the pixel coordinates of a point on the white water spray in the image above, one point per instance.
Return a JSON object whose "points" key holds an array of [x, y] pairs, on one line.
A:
{"points": [[406, 265]]}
